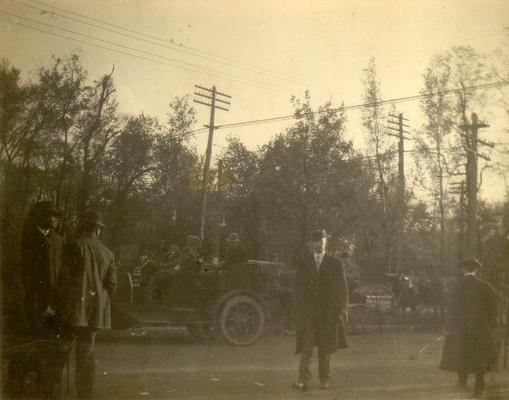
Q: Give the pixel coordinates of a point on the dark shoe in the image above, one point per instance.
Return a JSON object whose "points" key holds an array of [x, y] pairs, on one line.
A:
{"points": [[302, 386], [325, 385]]}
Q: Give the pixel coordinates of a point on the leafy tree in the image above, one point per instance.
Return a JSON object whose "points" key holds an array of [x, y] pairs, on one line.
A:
{"points": [[432, 141], [238, 188], [449, 99], [127, 165], [306, 178], [172, 175], [374, 119]]}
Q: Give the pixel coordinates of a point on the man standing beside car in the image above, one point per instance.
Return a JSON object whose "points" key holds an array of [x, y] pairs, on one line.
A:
{"points": [[321, 295], [90, 281]]}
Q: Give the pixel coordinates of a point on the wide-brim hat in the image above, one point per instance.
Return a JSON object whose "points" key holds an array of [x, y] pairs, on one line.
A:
{"points": [[93, 217], [317, 235], [45, 207]]}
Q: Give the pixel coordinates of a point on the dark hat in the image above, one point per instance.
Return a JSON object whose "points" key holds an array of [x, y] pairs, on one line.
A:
{"points": [[44, 207], [470, 263], [92, 217], [317, 235]]}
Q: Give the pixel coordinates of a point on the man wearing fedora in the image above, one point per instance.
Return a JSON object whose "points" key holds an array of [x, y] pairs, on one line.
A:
{"points": [[470, 346], [234, 253], [322, 302], [42, 261], [90, 281]]}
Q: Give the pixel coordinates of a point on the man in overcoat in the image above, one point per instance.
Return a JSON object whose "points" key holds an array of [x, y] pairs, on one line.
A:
{"points": [[321, 294], [42, 261], [470, 346], [90, 281]]}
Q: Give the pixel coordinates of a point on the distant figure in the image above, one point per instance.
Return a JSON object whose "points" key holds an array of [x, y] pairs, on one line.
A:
{"points": [[234, 253], [90, 280], [321, 294], [470, 345], [438, 294]]}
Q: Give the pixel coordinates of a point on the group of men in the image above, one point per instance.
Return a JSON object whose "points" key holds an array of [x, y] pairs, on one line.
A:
{"points": [[67, 288]]}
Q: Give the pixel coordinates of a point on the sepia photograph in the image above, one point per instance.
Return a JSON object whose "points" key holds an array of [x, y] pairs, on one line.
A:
{"points": [[260, 200]]}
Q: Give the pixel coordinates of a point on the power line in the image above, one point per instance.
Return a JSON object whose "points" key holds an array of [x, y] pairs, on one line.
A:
{"points": [[249, 122], [354, 107], [365, 105], [172, 46], [187, 65]]}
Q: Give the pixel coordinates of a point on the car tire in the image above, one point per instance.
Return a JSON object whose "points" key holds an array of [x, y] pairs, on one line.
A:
{"points": [[241, 320]]}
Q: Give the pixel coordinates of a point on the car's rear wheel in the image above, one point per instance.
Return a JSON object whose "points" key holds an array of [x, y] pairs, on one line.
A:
{"points": [[241, 320], [201, 331]]}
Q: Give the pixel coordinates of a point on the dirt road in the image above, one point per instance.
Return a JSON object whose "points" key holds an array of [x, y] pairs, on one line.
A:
{"points": [[377, 367]]}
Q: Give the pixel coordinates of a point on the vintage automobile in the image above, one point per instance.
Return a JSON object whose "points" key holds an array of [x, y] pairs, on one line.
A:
{"points": [[235, 302]]}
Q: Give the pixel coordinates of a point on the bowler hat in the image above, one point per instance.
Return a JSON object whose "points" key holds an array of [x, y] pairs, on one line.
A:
{"points": [[92, 217], [317, 235], [44, 207]]}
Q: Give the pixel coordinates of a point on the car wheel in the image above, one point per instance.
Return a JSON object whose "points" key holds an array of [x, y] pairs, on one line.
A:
{"points": [[241, 320], [201, 331]]}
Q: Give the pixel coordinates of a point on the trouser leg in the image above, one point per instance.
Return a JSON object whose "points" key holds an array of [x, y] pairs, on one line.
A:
{"points": [[306, 354], [479, 382], [323, 366], [462, 378], [85, 362], [304, 364]]}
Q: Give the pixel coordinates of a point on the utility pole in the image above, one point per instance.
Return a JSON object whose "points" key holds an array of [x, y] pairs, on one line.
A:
{"points": [[212, 96], [399, 126], [471, 132], [459, 188], [219, 223]]}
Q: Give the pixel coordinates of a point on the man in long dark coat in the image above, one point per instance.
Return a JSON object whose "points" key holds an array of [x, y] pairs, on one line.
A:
{"points": [[42, 260], [321, 294], [470, 346], [90, 281]]}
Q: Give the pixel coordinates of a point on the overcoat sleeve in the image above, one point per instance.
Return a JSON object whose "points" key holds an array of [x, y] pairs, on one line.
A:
{"points": [[110, 279], [342, 292]]}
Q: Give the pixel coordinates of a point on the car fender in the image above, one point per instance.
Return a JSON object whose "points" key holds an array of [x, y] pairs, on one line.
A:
{"points": [[218, 304]]}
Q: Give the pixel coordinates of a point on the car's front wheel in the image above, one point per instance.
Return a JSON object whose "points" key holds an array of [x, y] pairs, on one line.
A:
{"points": [[241, 320]]}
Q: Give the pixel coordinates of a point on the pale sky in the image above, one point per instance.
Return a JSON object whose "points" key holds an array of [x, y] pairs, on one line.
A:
{"points": [[324, 44]]}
